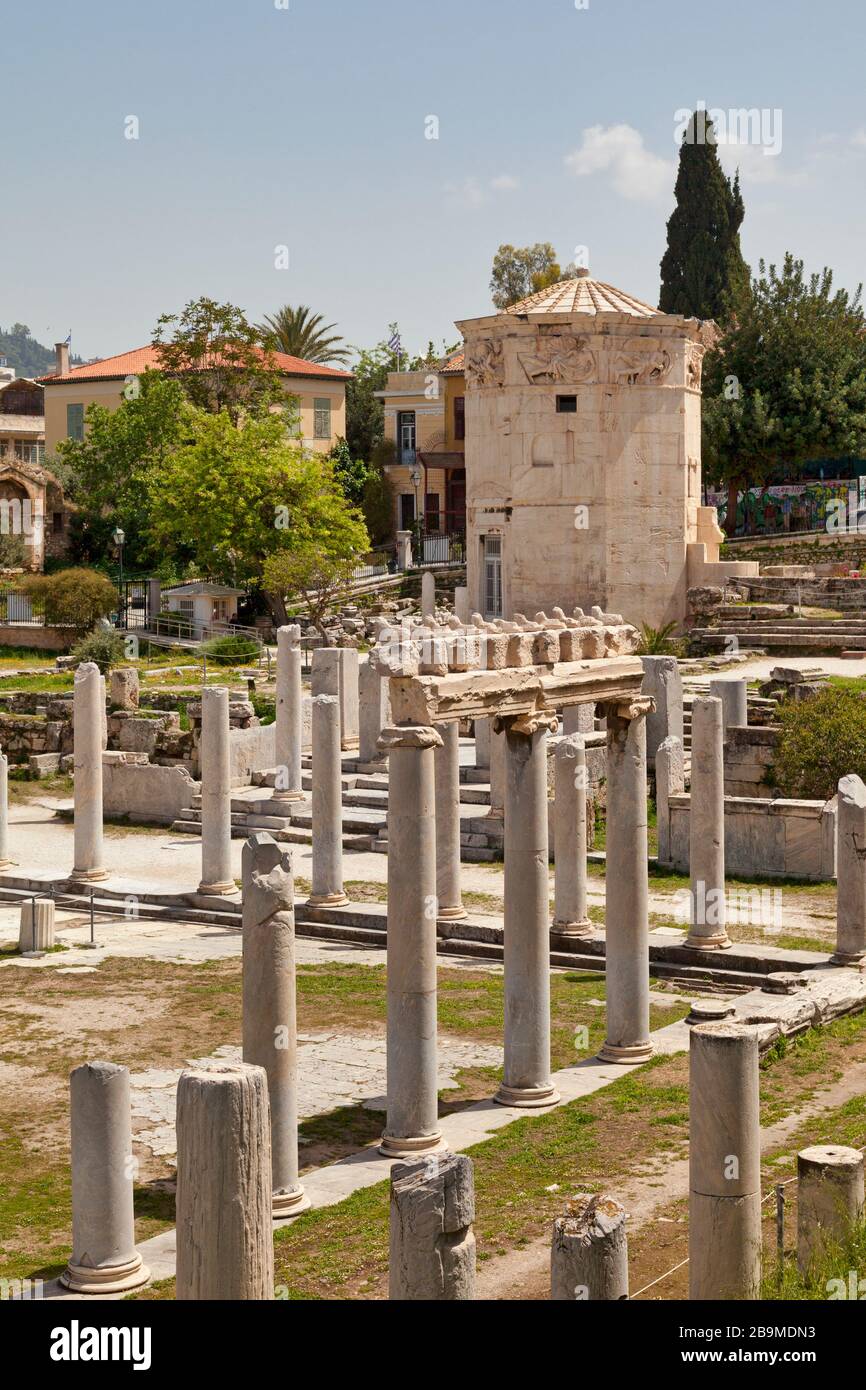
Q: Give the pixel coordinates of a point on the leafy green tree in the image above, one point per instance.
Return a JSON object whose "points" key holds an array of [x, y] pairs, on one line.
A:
{"points": [[106, 473], [378, 501], [301, 333], [519, 271], [317, 571], [351, 473], [219, 359], [820, 741], [703, 272], [786, 381], [75, 598], [232, 495], [365, 415]]}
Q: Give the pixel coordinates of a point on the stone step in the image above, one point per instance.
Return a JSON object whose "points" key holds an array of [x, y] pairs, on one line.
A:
{"points": [[360, 820]]}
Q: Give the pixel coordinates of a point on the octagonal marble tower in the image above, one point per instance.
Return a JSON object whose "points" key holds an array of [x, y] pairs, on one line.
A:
{"points": [[583, 456]]}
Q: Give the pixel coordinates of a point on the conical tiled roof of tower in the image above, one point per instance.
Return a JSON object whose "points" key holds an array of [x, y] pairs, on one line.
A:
{"points": [[583, 295]]}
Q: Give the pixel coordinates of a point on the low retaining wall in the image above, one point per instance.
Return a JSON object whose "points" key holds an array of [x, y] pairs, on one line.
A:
{"points": [[765, 839], [143, 791], [749, 755]]}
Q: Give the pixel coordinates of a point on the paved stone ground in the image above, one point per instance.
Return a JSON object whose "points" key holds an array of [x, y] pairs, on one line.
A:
{"points": [[334, 1069]]}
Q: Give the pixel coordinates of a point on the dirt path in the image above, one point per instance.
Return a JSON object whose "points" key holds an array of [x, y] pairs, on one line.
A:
{"points": [[525, 1274]]}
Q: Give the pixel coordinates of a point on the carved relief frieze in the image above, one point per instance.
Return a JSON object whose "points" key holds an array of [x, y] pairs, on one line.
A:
{"points": [[485, 365], [565, 358], [637, 365]]}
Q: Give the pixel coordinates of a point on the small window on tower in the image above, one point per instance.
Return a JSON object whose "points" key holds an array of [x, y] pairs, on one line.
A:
{"points": [[566, 405]]}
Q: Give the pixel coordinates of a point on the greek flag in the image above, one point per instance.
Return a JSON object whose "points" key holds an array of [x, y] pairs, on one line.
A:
{"points": [[394, 343], [68, 342]]}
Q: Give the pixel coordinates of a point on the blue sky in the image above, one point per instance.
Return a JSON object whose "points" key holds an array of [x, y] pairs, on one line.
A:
{"points": [[304, 126]]}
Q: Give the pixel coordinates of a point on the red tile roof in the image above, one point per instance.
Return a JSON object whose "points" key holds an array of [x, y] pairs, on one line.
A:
{"points": [[131, 363], [453, 365]]}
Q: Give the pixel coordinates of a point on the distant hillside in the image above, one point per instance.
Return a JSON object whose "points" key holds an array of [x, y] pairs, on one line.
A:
{"points": [[22, 352]]}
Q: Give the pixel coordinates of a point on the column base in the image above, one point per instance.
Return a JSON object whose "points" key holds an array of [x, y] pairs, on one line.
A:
{"points": [[856, 958], [634, 1052], [112, 1279], [392, 1146], [88, 875], [4, 865], [217, 890], [452, 914], [290, 798], [526, 1097], [720, 942], [583, 928], [290, 1204], [327, 900]]}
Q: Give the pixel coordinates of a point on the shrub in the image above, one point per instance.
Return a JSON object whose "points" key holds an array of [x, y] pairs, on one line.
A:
{"points": [[822, 740], [232, 650], [656, 641], [102, 646], [75, 598]]}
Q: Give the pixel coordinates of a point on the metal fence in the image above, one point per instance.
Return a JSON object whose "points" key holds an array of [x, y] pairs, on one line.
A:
{"points": [[439, 548], [17, 607]]}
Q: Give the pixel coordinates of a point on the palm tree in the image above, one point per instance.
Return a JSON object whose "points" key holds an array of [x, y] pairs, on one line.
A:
{"points": [[301, 333]]}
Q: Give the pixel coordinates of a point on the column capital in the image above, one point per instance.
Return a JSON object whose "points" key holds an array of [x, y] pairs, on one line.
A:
{"points": [[418, 736], [527, 724], [637, 708]]}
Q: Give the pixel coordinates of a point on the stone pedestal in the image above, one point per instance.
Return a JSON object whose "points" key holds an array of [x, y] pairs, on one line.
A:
{"points": [[626, 886], [88, 716], [734, 695], [670, 781], [38, 934], [589, 1252], [724, 1162], [327, 804], [349, 667], [428, 595], [372, 714], [5, 861], [216, 793], [570, 915], [850, 872], [104, 1257], [578, 719], [446, 761], [124, 688], [663, 684], [461, 604], [707, 828], [225, 1244], [270, 1030], [526, 933], [289, 729], [829, 1200], [432, 1255], [412, 1125], [404, 551]]}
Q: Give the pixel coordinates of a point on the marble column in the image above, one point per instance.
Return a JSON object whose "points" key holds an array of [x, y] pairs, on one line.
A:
{"points": [[428, 595], [88, 716], [446, 762], [104, 1257], [589, 1252], [373, 714], [412, 1125], [724, 1162], [432, 1243], [850, 872], [707, 828], [216, 794], [270, 1025], [289, 729], [829, 1200], [626, 887], [327, 804], [225, 1243], [461, 604], [734, 695], [482, 743], [670, 781], [497, 773], [526, 1078], [578, 719], [570, 915], [663, 684], [5, 861]]}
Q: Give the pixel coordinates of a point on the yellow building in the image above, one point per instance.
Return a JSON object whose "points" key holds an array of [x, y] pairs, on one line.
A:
{"points": [[320, 394], [424, 419]]}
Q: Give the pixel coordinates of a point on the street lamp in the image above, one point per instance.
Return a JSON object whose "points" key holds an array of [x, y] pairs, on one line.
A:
{"points": [[118, 535], [415, 478]]}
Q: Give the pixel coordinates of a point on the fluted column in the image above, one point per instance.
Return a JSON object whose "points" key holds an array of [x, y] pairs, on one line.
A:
{"points": [[216, 794], [626, 887], [88, 715], [526, 1075], [412, 1125], [290, 715], [446, 760]]}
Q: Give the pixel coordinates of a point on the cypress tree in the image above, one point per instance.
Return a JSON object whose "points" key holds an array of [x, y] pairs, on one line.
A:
{"points": [[703, 271]]}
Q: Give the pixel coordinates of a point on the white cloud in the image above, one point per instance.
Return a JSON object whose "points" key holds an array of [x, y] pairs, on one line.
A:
{"points": [[619, 150], [468, 193], [757, 165], [504, 183]]}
